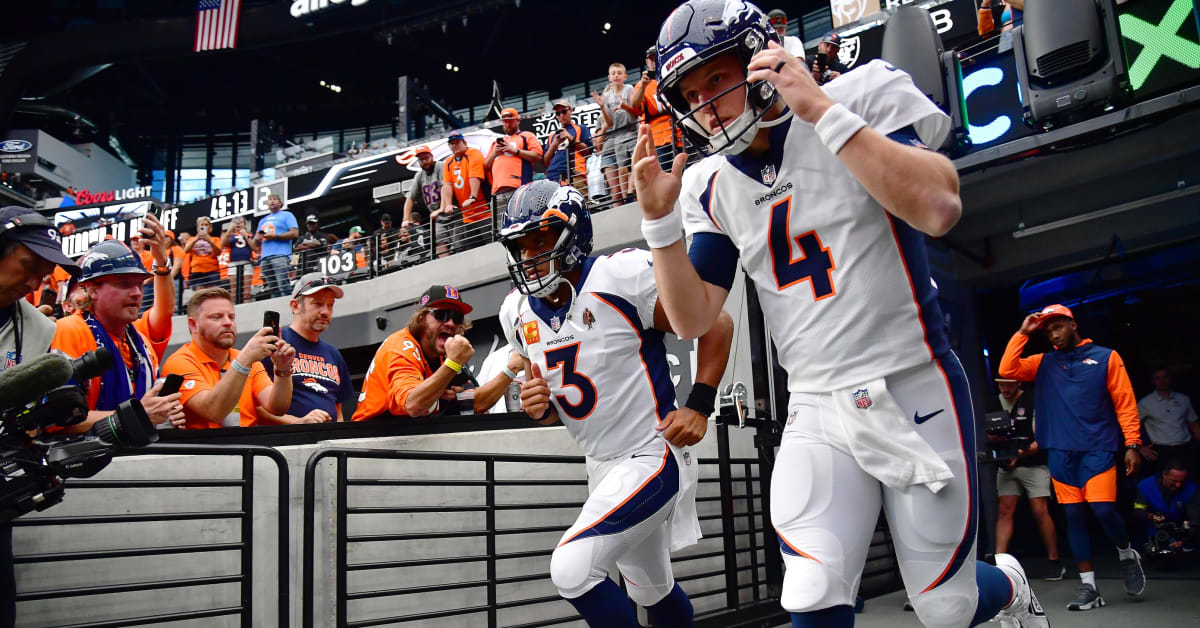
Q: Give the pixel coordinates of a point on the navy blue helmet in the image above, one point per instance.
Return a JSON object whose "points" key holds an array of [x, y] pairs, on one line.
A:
{"points": [[543, 205], [697, 32], [112, 257]]}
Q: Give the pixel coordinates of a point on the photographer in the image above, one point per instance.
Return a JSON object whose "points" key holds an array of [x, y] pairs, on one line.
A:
{"points": [[826, 65], [510, 161], [202, 254], [1167, 498], [240, 245], [1024, 472], [112, 276], [29, 250]]}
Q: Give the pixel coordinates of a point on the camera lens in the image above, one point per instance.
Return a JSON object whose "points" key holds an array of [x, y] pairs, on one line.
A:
{"points": [[128, 427], [91, 364]]}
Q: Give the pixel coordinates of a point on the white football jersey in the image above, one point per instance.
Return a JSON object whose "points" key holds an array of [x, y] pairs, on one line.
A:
{"points": [[605, 363], [844, 285]]}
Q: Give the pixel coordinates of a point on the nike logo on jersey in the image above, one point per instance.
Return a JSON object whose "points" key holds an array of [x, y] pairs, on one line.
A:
{"points": [[919, 418]]}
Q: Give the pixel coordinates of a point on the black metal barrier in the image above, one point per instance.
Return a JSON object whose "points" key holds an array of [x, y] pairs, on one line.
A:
{"points": [[244, 546], [735, 577]]}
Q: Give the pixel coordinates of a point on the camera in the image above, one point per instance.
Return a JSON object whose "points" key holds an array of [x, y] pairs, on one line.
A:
{"points": [[34, 458], [1165, 534], [1004, 440]]}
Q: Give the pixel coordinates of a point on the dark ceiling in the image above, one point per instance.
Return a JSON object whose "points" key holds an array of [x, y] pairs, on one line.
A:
{"points": [[276, 71]]}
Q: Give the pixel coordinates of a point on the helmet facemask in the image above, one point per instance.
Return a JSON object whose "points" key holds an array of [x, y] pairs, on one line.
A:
{"points": [[559, 257], [760, 97]]}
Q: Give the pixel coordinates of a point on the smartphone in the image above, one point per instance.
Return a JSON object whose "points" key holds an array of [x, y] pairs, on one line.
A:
{"points": [[171, 385], [271, 319], [822, 64]]}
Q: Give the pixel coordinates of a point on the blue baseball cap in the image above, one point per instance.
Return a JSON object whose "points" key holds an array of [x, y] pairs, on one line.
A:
{"points": [[35, 231], [456, 136]]}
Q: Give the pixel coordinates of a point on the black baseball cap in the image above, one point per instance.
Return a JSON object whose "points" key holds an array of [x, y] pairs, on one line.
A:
{"points": [[36, 232], [439, 296], [385, 217]]}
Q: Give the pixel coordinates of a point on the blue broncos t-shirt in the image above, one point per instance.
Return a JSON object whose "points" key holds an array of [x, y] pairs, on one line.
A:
{"points": [[320, 377]]}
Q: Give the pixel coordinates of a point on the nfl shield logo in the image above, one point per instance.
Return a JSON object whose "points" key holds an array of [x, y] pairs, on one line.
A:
{"points": [[768, 174], [862, 399], [555, 323]]}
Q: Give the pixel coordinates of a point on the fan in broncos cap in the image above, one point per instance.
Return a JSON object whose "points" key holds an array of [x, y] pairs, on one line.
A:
{"points": [[826, 195], [591, 333]]}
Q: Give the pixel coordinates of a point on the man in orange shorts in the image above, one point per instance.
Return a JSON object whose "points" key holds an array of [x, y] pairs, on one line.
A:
{"points": [[1086, 412]]}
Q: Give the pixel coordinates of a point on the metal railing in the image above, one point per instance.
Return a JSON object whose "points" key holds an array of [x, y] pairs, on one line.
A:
{"points": [[477, 557], [244, 547]]}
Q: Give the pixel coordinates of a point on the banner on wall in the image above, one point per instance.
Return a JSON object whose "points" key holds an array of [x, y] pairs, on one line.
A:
{"points": [[849, 11]]}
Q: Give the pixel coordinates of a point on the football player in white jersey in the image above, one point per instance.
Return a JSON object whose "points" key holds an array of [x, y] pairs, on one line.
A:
{"points": [[592, 330], [826, 195]]}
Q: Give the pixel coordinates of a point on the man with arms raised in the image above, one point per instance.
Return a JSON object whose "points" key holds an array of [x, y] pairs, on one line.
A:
{"points": [[591, 329], [112, 275], [827, 197]]}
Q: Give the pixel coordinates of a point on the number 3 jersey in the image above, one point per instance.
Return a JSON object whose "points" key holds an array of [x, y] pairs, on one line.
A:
{"points": [[601, 356], [844, 285]]}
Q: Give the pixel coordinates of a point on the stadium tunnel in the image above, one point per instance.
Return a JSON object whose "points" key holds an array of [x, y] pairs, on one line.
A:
{"points": [[1098, 212]]}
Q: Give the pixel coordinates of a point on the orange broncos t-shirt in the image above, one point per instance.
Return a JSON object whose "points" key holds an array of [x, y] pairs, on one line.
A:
{"points": [[398, 367], [458, 172], [73, 337]]}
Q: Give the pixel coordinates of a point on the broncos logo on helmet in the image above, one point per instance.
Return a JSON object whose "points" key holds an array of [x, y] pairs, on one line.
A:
{"points": [[697, 32], [544, 205]]}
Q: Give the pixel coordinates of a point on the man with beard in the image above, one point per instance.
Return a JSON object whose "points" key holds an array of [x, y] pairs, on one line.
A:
{"points": [[221, 385], [111, 317], [320, 377], [420, 365], [1086, 413]]}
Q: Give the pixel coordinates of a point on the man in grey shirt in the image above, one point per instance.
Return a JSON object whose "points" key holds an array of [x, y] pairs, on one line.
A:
{"points": [[424, 195], [1170, 423], [619, 134]]}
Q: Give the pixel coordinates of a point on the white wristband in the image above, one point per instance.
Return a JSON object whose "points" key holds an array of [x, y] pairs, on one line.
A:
{"points": [[237, 366], [663, 232], [837, 126], [509, 372]]}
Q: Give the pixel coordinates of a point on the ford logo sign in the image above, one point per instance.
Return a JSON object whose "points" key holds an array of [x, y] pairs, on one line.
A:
{"points": [[15, 146]]}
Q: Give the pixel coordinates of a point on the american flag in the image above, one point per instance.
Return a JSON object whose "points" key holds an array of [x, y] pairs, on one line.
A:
{"points": [[216, 24]]}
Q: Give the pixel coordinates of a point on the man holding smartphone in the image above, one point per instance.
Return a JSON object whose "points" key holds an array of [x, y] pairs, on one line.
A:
{"points": [[223, 387], [511, 159], [566, 150]]}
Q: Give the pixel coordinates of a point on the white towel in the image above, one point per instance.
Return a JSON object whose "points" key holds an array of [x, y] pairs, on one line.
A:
{"points": [[685, 524], [884, 440]]}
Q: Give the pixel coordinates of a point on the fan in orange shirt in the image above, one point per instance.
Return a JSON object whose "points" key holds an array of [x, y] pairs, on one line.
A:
{"points": [[464, 181], [414, 368], [221, 385], [112, 276]]}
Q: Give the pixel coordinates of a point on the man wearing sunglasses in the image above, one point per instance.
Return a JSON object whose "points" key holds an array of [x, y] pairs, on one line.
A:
{"points": [[566, 149], [423, 364]]}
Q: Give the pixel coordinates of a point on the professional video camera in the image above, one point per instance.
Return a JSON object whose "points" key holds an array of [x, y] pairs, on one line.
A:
{"points": [[33, 461], [1161, 544], [1003, 440]]}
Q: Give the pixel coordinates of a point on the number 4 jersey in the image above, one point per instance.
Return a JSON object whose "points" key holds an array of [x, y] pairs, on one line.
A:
{"points": [[844, 285], [601, 356]]}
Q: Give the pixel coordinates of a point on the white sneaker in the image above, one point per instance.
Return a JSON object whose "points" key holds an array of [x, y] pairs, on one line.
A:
{"points": [[1024, 611]]}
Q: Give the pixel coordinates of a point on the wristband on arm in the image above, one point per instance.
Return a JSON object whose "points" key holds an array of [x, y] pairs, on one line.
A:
{"points": [[702, 399]]}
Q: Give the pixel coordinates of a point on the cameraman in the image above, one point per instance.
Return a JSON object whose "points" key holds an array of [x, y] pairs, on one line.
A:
{"points": [[1168, 497], [29, 250], [1027, 473]]}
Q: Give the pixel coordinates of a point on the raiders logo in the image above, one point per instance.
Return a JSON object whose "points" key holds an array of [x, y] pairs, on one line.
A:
{"points": [[848, 53]]}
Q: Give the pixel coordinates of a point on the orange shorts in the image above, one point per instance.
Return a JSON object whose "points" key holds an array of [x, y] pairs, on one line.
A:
{"points": [[1098, 488]]}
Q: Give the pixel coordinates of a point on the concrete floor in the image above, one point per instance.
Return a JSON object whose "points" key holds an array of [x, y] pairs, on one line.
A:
{"points": [[1167, 603]]}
